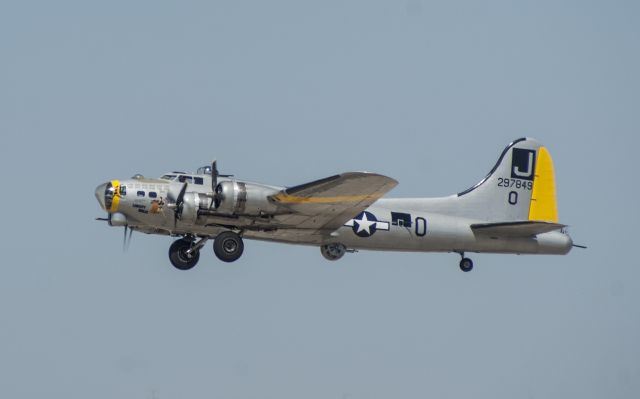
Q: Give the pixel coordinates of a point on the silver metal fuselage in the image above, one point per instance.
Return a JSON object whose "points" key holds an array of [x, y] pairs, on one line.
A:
{"points": [[420, 224]]}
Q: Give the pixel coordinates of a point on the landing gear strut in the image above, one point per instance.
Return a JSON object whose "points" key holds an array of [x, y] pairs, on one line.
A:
{"points": [[228, 246], [466, 264]]}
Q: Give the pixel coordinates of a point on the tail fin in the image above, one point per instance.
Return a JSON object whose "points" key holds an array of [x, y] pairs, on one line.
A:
{"points": [[520, 187]]}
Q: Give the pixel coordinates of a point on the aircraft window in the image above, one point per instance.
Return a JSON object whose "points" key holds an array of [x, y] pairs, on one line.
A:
{"points": [[109, 193], [198, 180], [140, 193], [204, 170], [152, 194], [182, 179], [168, 177], [123, 190]]}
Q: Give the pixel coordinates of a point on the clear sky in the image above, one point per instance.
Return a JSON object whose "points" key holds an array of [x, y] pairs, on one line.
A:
{"points": [[285, 92]]}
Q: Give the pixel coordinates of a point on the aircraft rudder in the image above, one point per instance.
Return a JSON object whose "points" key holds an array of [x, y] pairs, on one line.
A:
{"points": [[544, 205]]}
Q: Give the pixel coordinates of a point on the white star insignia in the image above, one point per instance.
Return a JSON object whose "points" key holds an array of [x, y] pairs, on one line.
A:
{"points": [[364, 224]]}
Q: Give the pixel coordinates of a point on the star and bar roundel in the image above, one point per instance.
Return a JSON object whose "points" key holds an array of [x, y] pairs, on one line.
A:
{"points": [[366, 224]]}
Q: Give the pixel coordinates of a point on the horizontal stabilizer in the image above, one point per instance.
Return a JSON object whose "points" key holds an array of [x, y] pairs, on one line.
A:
{"points": [[515, 229]]}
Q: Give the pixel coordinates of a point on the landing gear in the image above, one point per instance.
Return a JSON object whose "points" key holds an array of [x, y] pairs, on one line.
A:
{"points": [[466, 264], [183, 254], [228, 246], [333, 251]]}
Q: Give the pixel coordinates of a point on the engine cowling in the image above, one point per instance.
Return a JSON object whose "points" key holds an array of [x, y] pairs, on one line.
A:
{"points": [[191, 203], [240, 198]]}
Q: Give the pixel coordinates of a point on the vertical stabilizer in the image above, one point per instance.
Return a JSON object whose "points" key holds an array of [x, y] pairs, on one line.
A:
{"points": [[520, 187]]}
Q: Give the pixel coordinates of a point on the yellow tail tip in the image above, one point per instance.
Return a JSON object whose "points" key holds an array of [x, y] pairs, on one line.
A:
{"points": [[543, 197]]}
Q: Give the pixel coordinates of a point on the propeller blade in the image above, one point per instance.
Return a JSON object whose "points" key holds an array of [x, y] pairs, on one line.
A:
{"points": [[214, 175], [173, 194], [129, 238], [181, 194], [177, 201], [126, 239]]}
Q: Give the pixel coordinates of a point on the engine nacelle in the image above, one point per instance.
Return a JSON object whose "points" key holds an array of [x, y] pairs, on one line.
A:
{"points": [[191, 203], [239, 198], [117, 219]]}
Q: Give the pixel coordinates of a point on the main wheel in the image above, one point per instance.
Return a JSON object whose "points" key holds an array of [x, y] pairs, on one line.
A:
{"points": [[179, 257], [466, 264], [228, 246]]}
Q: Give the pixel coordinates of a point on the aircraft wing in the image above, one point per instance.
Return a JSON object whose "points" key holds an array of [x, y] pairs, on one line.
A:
{"points": [[524, 228], [328, 203]]}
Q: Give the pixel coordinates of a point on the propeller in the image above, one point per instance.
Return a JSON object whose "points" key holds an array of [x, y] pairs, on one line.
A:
{"points": [[214, 175], [127, 239], [177, 199], [214, 183], [215, 189]]}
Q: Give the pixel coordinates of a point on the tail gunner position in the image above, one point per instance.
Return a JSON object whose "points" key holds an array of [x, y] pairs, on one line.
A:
{"points": [[512, 210]]}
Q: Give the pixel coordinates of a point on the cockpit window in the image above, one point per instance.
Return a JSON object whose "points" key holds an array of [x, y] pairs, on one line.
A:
{"points": [[187, 179], [168, 177]]}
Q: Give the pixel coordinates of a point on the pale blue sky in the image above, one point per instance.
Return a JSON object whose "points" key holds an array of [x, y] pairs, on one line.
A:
{"points": [[286, 92]]}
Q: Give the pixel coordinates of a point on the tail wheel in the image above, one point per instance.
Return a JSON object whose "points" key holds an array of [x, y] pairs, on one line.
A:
{"points": [[180, 258], [228, 246], [466, 265]]}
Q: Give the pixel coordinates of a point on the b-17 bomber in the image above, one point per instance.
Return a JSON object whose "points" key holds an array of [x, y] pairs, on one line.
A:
{"points": [[513, 210]]}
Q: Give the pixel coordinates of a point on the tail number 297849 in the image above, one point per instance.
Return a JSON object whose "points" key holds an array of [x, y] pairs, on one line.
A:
{"points": [[515, 183]]}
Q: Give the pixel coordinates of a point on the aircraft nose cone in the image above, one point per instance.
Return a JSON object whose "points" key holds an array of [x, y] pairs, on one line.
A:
{"points": [[100, 194]]}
